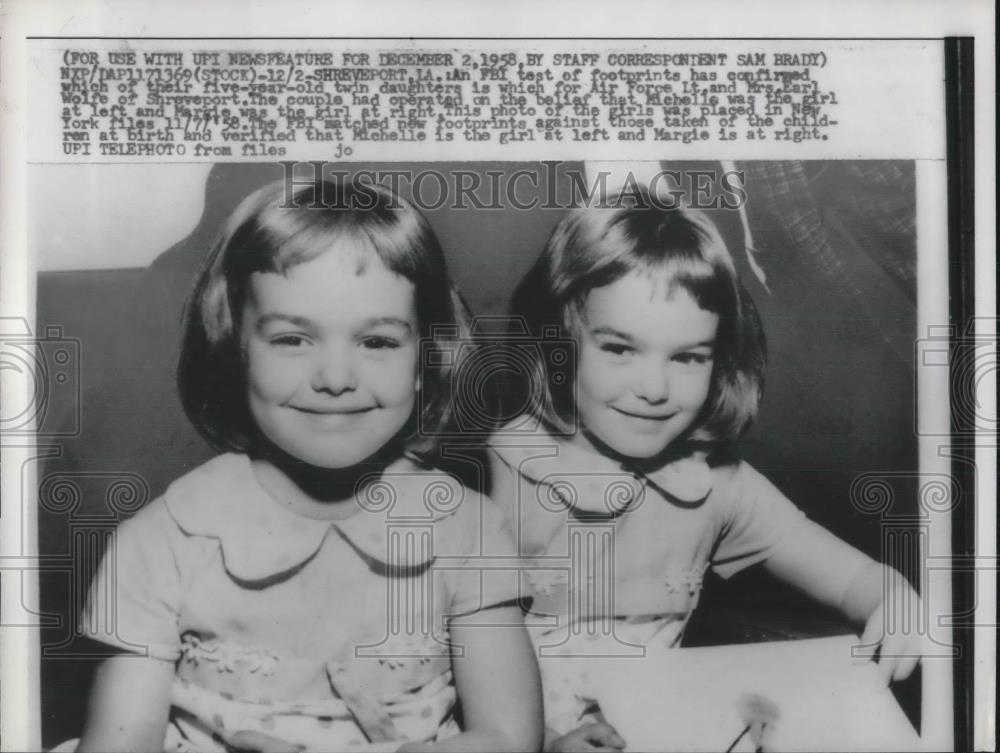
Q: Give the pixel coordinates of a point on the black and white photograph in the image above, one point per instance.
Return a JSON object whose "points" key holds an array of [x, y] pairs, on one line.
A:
{"points": [[429, 393]]}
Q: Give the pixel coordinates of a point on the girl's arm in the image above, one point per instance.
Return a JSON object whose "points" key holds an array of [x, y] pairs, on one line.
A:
{"points": [[498, 684], [866, 592], [129, 704]]}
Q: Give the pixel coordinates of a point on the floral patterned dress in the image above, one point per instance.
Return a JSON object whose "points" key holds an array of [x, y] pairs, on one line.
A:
{"points": [[327, 635], [614, 559]]}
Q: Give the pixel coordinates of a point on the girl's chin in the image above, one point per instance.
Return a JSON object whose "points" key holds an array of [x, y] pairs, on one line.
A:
{"points": [[335, 462], [627, 445], [640, 452], [338, 457]]}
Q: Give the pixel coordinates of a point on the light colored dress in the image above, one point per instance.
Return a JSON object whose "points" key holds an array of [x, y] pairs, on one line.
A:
{"points": [[615, 559], [311, 631]]}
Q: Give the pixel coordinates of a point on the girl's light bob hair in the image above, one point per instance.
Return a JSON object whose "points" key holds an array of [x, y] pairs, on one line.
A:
{"points": [[276, 228], [596, 246]]}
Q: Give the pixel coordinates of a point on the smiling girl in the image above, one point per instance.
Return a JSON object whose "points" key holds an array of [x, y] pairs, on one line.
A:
{"points": [[627, 491], [316, 587]]}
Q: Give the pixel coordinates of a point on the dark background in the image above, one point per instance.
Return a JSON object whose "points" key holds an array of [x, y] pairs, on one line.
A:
{"points": [[837, 241]]}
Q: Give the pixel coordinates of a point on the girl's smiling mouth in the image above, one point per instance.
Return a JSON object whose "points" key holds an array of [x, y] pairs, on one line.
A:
{"points": [[321, 412], [643, 416]]}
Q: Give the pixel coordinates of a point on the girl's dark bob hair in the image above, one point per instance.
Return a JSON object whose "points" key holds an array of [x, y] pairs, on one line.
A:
{"points": [[275, 229], [596, 246]]}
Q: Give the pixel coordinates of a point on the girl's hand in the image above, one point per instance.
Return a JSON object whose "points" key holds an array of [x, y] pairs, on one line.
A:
{"points": [[864, 591], [892, 632], [589, 737]]}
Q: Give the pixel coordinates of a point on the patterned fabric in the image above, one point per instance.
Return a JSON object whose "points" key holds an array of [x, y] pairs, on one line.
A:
{"points": [[813, 211], [614, 560], [879, 197], [293, 627], [786, 219], [204, 720]]}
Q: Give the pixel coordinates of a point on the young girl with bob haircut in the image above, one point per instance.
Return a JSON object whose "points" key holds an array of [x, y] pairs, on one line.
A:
{"points": [[316, 586], [621, 485]]}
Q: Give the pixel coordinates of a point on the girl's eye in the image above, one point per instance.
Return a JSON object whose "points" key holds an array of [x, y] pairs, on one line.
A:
{"points": [[288, 341], [616, 349], [693, 359], [379, 343]]}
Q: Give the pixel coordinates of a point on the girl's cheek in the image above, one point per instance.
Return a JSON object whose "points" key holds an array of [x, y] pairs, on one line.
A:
{"points": [[270, 377], [612, 380], [597, 377], [396, 380], [701, 382]]}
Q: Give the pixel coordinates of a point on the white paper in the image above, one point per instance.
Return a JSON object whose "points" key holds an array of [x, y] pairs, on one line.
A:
{"points": [[109, 211]]}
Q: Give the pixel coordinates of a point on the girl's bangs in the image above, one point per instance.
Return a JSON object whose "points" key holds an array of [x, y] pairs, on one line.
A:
{"points": [[709, 285], [303, 235]]}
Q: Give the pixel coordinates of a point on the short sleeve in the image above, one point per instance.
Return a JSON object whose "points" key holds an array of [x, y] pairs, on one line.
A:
{"points": [[134, 600], [487, 575], [756, 519]]}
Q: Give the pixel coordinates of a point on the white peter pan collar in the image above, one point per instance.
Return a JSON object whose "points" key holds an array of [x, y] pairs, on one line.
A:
{"points": [[593, 483], [261, 540]]}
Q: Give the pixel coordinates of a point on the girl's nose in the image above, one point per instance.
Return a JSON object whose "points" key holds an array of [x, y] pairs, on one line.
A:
{"points": [[652, 382], [335, 371]]}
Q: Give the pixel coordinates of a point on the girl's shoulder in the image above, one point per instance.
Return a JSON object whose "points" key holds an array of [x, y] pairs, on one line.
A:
{"points": [[208, 499], [526, 447], [221, 505], [413, 491], [214, 481], [195, 494], [151, 528], [738, 478], [740, 493], [154, 540]]}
